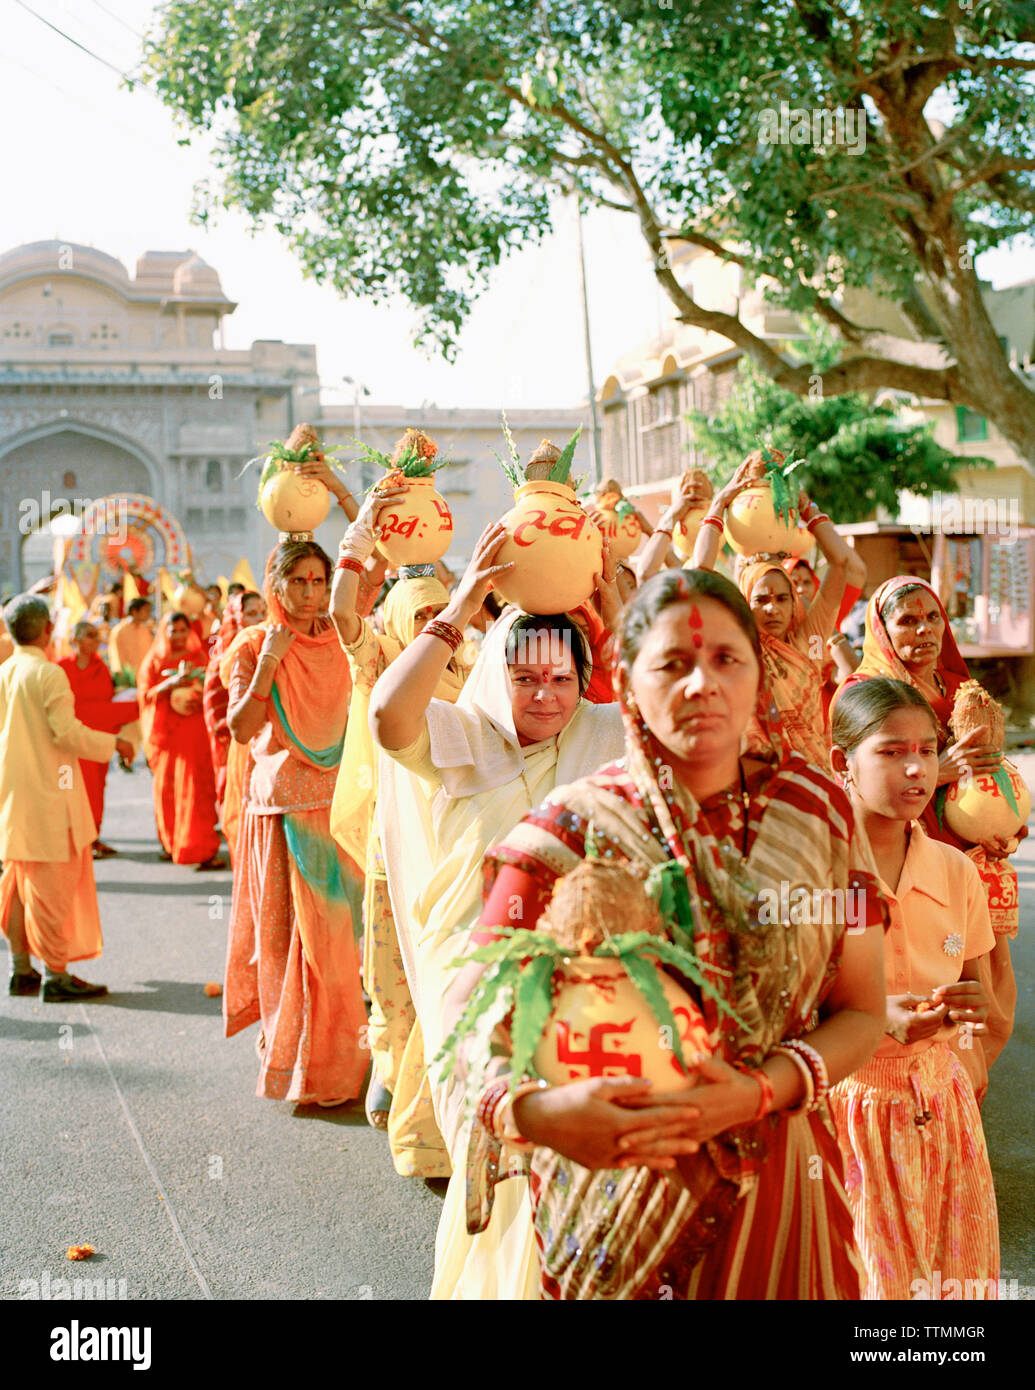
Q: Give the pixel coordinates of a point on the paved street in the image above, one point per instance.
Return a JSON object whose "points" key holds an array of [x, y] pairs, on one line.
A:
{"points": [[131, 1123]]}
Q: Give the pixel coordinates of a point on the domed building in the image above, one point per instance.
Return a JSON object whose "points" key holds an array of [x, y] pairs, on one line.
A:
{"points": [[118, 383]]}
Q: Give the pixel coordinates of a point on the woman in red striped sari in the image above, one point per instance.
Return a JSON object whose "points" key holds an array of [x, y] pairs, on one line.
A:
{"points": [[757, 1208]]}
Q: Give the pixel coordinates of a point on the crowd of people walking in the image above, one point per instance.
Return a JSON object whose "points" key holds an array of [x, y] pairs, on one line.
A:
{"points": [[403, 768]]}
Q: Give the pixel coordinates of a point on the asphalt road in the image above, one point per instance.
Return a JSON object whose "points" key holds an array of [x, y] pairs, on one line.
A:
{"points": [[130, 1123]]}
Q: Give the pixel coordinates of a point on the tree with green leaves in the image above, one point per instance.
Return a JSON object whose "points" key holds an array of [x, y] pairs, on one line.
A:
{"points": [[824, 146], [859, 456]]}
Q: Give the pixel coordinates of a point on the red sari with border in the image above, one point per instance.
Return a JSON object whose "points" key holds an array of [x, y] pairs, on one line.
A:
{"points": [[93, 689], [748, 1218], [180, 757]]}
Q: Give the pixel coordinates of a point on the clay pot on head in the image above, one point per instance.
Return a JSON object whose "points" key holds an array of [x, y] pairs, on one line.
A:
{"points": [[418, 529], [292, 503], [802, 543], [189, 598], [554, 546], [684, 535], [601, 1025], [752, 525], [976, 809], [623, 533]]}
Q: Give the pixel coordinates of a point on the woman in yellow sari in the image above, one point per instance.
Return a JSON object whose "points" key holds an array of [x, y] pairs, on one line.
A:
{"points": [[455, 778], [417, 1147]]}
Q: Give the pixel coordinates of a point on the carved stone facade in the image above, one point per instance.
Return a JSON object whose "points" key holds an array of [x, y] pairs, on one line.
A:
{"points": [[110, 383]]}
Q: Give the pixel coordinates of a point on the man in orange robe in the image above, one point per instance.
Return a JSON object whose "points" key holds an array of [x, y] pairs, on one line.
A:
{"points": [[95, 707], [177, 746], [48, 897]]}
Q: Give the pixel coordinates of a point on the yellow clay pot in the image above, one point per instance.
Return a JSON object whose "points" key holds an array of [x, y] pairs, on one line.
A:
{"points": [[293, 503], [976, 809], [418, 530], [601, 1026], [752, 525], [554, 546]]}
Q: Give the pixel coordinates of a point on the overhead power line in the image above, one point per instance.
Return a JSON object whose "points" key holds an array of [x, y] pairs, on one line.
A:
{"points": [[89, 51], [118, 18]]}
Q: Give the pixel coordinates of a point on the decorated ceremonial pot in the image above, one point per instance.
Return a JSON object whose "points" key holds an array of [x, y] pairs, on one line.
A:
{"points": [[976, 808], [189, 597], [186, 699], [802, 543], [555, 548], [684, 533], [620, 525], [753, 526], [418, 529], [601, 1026], [292, 503]]}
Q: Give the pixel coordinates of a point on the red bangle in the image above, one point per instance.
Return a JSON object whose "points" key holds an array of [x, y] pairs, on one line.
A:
{"points": [[715, 521], [662, 531], [820, 516], [264, 699], [345, 562], [446, 632], [765, 1099]]}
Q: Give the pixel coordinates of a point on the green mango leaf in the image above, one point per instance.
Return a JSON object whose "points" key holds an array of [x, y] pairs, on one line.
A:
{"points": [[533, 1000], [644, 975], [562, 468], [1002, 780], [497, 984]]}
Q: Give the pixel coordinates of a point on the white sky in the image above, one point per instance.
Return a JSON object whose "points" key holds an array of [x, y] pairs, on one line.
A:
{"points": [[86, 161]]}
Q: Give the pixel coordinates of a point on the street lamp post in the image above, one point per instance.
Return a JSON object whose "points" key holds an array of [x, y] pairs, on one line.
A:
{"points": [[359, 390], [598, 462]]}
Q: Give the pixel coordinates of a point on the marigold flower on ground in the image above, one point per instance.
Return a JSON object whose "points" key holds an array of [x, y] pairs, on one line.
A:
{"points": [[79, 1252], [213, 990]]}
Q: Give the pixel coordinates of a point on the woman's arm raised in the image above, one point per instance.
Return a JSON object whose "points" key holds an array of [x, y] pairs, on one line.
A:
{"points": [[400, 699], [709, 537], [356, 547]]}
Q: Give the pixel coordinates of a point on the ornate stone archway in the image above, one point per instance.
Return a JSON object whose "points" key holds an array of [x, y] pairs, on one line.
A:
{"points": [[63, 461]]}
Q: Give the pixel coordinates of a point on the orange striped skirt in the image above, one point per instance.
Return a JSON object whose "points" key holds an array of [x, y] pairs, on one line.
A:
{"points": [[920, 1189]]}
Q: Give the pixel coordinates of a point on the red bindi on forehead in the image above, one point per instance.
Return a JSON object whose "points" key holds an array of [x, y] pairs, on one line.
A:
{"points": [[696, 622]]}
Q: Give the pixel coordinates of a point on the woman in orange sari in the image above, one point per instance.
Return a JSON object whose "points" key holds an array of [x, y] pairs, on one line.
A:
{"points": [[176, 742], [242, 610], [292, 958], [908, 638], [95, 707], [794, 641]]}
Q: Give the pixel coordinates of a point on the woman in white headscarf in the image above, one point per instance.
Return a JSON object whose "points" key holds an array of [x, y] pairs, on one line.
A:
{"points": [[456, 778]]}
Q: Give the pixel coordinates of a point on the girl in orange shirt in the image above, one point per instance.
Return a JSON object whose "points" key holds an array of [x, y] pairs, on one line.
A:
{"points": [[916, 1165]]}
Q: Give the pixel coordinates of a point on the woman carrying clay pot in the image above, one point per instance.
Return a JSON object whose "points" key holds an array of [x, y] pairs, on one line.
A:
{"points": [[397, 1056], [453, 779], [794, 642], [740, 1220], [292, 959]]}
